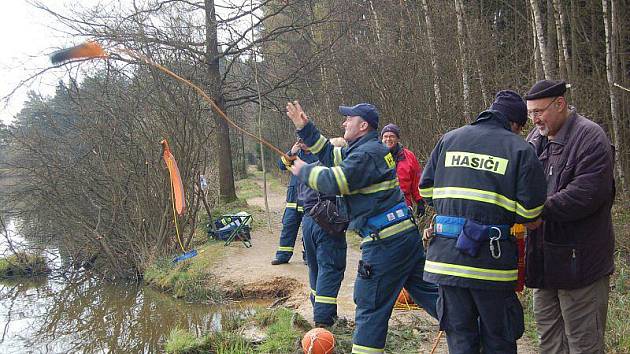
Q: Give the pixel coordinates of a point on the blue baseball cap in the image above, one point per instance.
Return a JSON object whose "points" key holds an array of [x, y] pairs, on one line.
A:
{"points": [[366, 111]]}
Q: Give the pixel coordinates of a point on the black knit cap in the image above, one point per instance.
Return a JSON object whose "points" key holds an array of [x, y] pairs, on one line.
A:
{"points": [[511, 105], [546, 88], [391, 128]]}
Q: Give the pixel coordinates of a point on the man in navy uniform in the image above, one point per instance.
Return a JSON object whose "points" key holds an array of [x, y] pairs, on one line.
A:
{"points": [[481, 178], [392, 255], [293, 211]]}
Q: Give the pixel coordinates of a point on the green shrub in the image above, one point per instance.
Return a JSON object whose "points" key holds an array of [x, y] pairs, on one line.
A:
{"points": [[230, 343], [617, 324], [22, 264], [281, 332], [183, 342], [184, 280]]}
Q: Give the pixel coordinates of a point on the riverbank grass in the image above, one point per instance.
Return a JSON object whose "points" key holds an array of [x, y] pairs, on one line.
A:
{"points": [[183, 342], [284, 329], [23, 264], [189, 280], [277, 331], [192, 279]]}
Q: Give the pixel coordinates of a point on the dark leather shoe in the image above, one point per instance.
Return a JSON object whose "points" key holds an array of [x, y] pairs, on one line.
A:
{"points": [[277, 261]]}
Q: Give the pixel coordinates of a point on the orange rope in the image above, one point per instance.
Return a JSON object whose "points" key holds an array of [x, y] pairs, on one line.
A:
{"points": [[437, 341], [212, 103]]}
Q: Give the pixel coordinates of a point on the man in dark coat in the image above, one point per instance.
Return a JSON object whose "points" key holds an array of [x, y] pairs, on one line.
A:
{"points": [[570, 257]]}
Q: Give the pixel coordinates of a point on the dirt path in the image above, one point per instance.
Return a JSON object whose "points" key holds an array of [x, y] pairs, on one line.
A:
{"points": [[247, 266], [250, 268]]}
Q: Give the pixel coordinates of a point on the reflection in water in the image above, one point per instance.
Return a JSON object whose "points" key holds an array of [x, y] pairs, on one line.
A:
{"points": [[90, 316]]}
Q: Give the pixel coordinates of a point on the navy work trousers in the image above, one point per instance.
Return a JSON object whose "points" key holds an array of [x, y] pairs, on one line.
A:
{"points": [[291, 221], [475, 320], [326, 258], [386, 266]]}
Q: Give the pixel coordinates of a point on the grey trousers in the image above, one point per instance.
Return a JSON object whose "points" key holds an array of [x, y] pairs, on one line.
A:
{"points": [[572, 321]]}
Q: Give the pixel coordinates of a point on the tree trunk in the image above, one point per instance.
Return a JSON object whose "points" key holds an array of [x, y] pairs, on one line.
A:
{"points": [[563, 50], [574, 42], [552, 42], [244, 160], [540, 36], [377, 24], [262, 148], [462, 55], [433, 54], [538, 73], [611, 73], [227, 191], [478, 68], [575, 52]]}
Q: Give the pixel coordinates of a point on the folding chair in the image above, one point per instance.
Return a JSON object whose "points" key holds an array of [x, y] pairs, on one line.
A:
{"points": [[236, 227]]}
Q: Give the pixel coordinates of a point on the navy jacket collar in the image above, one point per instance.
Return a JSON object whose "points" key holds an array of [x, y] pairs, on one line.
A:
{"points": [[371, 135], [492, 117]]}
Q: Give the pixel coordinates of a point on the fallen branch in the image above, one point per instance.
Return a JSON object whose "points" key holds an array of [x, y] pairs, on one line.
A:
{"points": [[621, 87]]}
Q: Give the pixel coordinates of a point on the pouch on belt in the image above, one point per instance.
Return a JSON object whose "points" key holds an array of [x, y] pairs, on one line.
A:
{"points": [[471, 237]]}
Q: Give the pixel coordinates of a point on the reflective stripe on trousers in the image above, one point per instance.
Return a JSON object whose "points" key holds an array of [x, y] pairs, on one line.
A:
{"points": [[470, 272]]}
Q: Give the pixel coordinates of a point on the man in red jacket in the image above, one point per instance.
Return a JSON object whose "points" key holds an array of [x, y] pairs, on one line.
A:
{"points": [[408, 169]]}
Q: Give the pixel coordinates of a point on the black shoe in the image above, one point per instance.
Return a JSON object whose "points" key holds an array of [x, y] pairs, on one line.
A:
{"points": [[276, 261]]}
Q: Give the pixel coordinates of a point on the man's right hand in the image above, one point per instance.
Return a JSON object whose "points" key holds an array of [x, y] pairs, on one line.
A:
{"points": [[296, 114], [297, 166], [427, 235], [295, 148], [534, 224]]}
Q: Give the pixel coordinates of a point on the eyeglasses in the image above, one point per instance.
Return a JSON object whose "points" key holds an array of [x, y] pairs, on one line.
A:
{"points": [[536, 113]]}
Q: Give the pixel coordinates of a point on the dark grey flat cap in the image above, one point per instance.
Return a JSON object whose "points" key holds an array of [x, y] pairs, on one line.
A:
{"points": [[546, 88]]}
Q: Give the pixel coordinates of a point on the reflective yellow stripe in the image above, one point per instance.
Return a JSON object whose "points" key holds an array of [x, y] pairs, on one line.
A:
{"points": [[313, 292], [325, 299], [300, 208], [359, 349], [285, 249], [470, 272], [426, 192], [340, 177], [528, 213], [319, 144], [337, 157], [291, 205], [486, 197], [392, 230], [312, 177], [378, 187]]}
